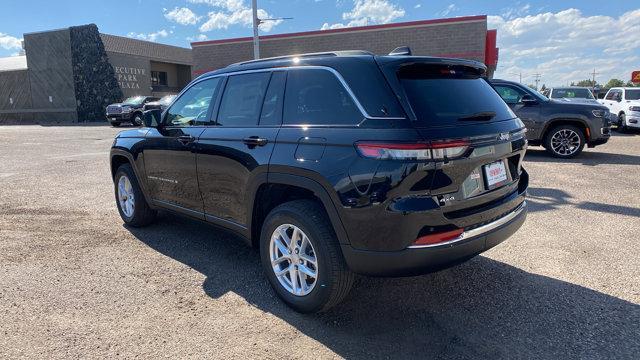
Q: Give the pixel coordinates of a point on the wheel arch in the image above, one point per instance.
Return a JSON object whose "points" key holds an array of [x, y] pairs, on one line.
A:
{"points": [[281, 188], [119, 157], [581, 124]]}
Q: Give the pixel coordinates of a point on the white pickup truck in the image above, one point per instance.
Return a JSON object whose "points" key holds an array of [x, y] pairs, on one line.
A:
{"points": [[625, 103]]}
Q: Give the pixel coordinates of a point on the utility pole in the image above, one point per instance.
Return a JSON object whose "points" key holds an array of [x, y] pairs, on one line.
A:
{"points": [[256, 23], [593, 74], [519, 74], [537, 76]]}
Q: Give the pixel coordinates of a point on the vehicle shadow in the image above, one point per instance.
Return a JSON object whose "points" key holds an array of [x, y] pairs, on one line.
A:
{"points": [[544, 199], [588, 157], [480, 309]]}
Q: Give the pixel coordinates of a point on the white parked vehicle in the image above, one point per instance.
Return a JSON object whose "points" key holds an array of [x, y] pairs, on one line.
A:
{"points": [[625, 103]]}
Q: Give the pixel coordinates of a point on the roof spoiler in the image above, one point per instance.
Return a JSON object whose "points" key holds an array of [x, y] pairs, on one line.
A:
{"points": [[401, 50]]}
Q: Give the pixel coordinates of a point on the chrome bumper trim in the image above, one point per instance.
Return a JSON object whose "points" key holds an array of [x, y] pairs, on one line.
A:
{"points": [[479, 230]]}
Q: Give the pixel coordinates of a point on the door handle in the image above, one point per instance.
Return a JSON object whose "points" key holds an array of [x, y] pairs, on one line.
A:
{"points": [[255, 141], [186, 139]]}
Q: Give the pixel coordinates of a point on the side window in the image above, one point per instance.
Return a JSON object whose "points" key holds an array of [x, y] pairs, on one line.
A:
{"points": [[242, 99], [193, 106], [272, 107], [609, 95], [316, 97], [508, 94]]}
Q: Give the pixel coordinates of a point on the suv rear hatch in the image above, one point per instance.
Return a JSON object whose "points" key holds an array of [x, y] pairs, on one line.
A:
{"points": [[477, 142]]}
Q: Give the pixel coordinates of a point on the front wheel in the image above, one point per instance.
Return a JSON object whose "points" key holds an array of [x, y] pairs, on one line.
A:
{"points": [[132, 206], [137, 119], [564, 141], [622, 124], [302, 258]]}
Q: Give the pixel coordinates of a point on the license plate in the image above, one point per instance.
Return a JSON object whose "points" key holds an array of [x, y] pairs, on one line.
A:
{"points": [[495, 174], [113, 118]]}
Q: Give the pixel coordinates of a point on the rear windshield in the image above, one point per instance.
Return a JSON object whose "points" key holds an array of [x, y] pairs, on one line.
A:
{"points": [[633, 94], [450, 95]]}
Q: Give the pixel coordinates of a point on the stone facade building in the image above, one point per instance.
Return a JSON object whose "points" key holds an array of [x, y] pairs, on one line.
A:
{"points": [[462, 37], [72, 74]]}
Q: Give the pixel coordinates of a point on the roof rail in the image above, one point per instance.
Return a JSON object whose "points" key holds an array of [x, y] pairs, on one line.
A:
{"points": [[307, 55]]}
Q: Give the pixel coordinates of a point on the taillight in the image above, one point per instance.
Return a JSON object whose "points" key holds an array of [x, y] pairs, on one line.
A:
{"points": [[436, 150], [433, 239]]}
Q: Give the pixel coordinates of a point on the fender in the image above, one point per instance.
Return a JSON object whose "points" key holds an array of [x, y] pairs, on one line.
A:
{"points": [[573, 118], [140, 174], [303, 182]]}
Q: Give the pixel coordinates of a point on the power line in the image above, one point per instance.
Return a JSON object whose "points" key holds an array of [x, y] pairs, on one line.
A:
{"points": [[537, 80]]}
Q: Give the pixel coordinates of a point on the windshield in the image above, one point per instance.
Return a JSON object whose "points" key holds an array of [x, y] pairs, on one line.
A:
{"points": [[633, 94], [134, 100], [450, 95], [167, 99], [572, 94]]}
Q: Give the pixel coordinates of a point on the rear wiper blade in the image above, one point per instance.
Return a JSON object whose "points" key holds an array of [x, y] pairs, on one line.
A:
{"points": [[479, 116]]}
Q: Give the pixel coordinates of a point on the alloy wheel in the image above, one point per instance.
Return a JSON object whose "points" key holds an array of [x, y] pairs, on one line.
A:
{"points": [[126, 198], [565, 142], [293, 259]]}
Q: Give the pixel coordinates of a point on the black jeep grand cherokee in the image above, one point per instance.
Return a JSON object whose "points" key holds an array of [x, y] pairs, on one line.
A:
{"points": [[334, 164]]}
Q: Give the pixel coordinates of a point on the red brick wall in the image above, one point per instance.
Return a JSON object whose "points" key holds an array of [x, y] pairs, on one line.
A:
{"points": [[457, 37]]}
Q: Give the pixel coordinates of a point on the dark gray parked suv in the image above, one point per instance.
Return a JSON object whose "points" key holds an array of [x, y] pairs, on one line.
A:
{"points": [[563, 128]]}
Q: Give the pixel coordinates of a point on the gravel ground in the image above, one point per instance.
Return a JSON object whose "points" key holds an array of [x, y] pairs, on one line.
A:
{"points": [[76, 283]]}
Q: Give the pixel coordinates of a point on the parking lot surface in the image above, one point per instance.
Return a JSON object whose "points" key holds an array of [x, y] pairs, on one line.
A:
{"points": [[74, 282]]}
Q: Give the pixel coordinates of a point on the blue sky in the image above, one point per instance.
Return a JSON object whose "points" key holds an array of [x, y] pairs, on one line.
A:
{"points": [[562, 40]]}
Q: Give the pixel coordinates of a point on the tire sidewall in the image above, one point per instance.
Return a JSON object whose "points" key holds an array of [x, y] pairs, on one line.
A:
{"points": [[125, 170], [622, 126], [564, 127], [321, 292], [137, 119]]}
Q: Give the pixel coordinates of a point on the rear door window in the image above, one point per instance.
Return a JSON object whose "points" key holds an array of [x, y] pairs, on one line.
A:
{"points": [[242, 99], [317, 97], [509, 94], [272, 107], [443, 95]]}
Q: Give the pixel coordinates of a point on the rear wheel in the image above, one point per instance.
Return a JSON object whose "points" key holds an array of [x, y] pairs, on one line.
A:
{"points": [[132, 206], [622, 123], [302, 258], [564, 141]]}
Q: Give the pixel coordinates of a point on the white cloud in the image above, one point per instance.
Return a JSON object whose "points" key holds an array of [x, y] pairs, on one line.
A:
{"points": [[448, 10], [151, 36], [9, 42], [199, 37], [368, 12], [417, 6], [233, 12], [182, 16], [566, 46]]}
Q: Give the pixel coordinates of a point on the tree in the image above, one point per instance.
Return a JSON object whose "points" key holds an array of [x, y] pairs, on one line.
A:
{"points": [[630, 84], [543, 88], [532, 86], [614, 83], [586, 83]]}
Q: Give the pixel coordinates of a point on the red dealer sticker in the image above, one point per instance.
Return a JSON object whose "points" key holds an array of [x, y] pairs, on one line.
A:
{"points": [[635, 77]]}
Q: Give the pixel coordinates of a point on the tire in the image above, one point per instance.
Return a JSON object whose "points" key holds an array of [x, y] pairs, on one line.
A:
{"points": [[333, 278], [575, 141], [115, 124], [139, 214], [137, 120], [622, 122]]}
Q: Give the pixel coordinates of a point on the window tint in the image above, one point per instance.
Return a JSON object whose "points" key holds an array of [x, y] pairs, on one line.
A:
{"points": [[272, 107], [633, 94], [442, 95], [242, 99], [508, 94], [192, 107], [316, 97]]}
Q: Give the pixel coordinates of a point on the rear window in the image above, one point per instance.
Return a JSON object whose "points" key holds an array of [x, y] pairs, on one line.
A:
{"points": [[449, 95]]}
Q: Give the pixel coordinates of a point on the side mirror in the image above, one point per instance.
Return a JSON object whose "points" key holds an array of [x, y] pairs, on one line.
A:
{"points": [[152, 118], [528, 100]]}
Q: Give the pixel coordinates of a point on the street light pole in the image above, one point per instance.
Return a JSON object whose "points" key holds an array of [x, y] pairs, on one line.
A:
{"points": [[256, 22]]}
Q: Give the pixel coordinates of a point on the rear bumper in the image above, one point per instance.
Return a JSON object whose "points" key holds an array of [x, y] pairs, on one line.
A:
{"points": [[421, 260]]}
